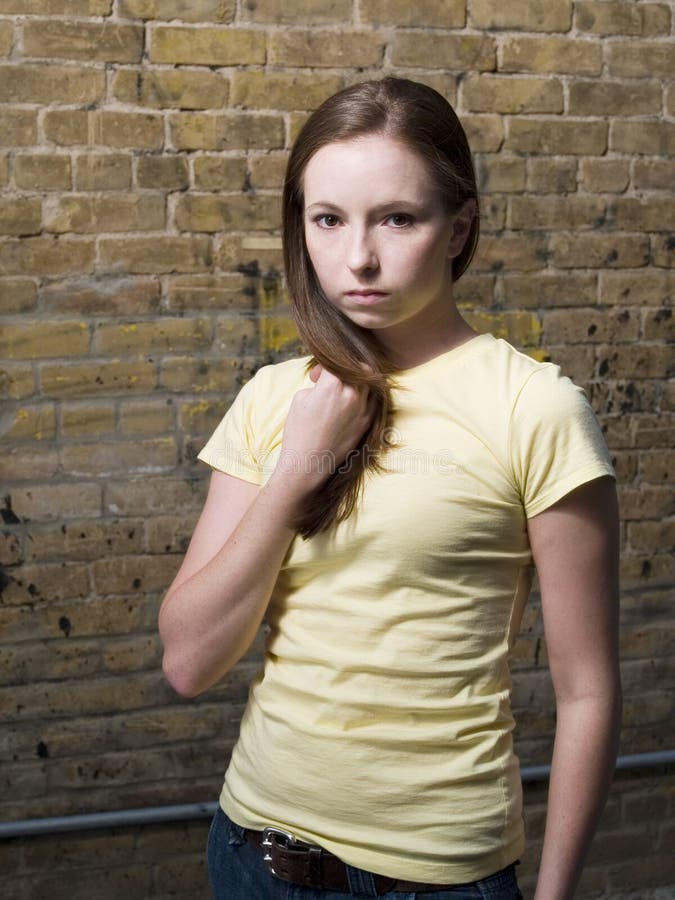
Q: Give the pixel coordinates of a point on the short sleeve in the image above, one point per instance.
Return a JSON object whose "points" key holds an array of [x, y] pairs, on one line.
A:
{"points": [[231, 447], [555, 440]]}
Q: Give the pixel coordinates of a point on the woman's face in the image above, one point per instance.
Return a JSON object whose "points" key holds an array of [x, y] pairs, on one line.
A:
{"points": [[379, 238]]}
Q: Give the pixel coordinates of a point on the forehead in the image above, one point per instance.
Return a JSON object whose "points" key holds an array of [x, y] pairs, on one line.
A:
{"points": [[372, 163]]}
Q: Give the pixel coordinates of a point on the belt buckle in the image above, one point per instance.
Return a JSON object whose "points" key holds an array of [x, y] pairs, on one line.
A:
{"points": [[270, 837]]}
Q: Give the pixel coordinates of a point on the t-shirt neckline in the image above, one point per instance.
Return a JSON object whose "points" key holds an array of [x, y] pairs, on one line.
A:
{"points": [[453, 354]]}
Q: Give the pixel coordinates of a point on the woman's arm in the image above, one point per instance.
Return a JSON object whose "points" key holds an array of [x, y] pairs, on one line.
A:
{"points": [[215, 605], [575, 549]]}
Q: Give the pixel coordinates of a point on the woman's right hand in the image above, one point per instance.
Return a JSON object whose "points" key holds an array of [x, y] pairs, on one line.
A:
{"points": [[324, 424]]}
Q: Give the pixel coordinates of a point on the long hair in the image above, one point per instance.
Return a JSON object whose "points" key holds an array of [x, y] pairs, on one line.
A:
{"points": [[421, 118]]}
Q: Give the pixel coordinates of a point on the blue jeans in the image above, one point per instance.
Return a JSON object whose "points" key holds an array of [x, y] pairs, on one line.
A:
{"points": [[237, 872]]}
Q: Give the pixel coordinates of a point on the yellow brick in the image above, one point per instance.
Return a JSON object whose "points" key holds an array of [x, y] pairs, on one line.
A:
{"points": [[455, 52], [424, 13], [169, 173], [164, 335], [231, 131], [641, 59], [248, 254], [220, 292], [171, 89], [27, 464], [475, 291], [51, 84], [138, 131], [638, 214], [91, 42], [92, 215], [486, 93], [659, 325], [18, 127], [219, 173], [146, 418], [21, 216], [153, 256], [185, 373], [300, 12], [648, 138], [17, 295], [199, 417], [107, 379], [594, 251], [654, 175], [622, 18], [44, 339], [206, 46], [549, 290], [550, 54], [16, 381], [213, 212], [304, 47], [149, 457], [551, 176], [57, 7], [484, 133], [513, 253], [102, 172], [6, 38], [46, 256], [556, 213], [45, 502], [529, 15], [43, 172], [618, 98], [493, 213], [281, 90], [204, 11], [277, 333], [557, 137], [80, 420], [103, 296], [584, 326], [663, 250], [605, 175], [520, 328], [4, 169], [236, 336], [36, 423], [670, 100], [268, 171]]}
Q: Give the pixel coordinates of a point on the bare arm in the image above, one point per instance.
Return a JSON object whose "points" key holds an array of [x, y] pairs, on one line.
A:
{"points": [[575, 549], [213, 609]]}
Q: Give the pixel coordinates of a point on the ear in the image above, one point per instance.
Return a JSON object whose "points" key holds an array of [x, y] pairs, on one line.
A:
{"points": [[461, 226]]}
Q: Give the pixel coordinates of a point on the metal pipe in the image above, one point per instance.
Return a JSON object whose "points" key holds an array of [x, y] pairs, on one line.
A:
{"points": [[187, 811]]}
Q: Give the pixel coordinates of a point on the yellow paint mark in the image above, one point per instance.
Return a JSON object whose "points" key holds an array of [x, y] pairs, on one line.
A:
{"points": [[22, 414], [277, 333], [129, 329]]}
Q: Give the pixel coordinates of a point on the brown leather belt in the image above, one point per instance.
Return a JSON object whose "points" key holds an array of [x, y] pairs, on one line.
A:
{"points": [[312, 866]]}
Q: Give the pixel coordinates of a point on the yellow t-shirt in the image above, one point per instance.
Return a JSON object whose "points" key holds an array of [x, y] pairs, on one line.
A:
{"points": [[380, 726]]}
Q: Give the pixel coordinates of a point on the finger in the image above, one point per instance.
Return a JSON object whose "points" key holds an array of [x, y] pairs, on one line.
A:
{"points": [[315, 372]]}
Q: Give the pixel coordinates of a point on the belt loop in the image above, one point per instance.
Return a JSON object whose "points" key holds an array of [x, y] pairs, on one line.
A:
{"points": [[361, 882]]}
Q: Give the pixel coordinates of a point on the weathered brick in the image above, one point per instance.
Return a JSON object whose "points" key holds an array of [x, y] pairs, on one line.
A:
{"points": [[644, 288], [503, 94], [23, 463], [106, 128], [622, 18], [47, 502], [4, 169], [166, 335], [656, 467], [206, 46], [646, 502], [236, 336], [552, 136], [20, 216], [132, 654], [614, 98], [604, 176], [624, 397], [18, 126], [549, 290], [658, 324], [134, 573], [521, 328], [107, 379], [87, 41], [219, 173], [251, 253], [493, 213], [171, 89], [198, 376], [199, 416], [16, 381], [11, 546], [80, 420], [103, 295], [566, 55], [149, 456], [500, 174], [83, 214], [84, 539], [514, 253], [556, 213], [652, 536], [640, 59], [552, 176], [146, 418], [215, 212], [51, 84], [204, 11], [57, 7], [6, 38], [590, 326], [637, 214], [643, 361], [301, 12], [17, 295], [425, 14], [46, 660], [305, 47], [102, 172], [43, 172], [484, 133], [267, 171], [528, 15], [663, 250], [152, 256], [170, 173], [221, 292], [153, 496], [654, 174], [599, 251], [456, 52], [230, 131], [35, 423], [282, 90], [44, 340]]}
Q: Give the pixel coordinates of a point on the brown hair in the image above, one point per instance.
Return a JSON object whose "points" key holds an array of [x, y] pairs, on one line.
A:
{"points": [[421, 118]]}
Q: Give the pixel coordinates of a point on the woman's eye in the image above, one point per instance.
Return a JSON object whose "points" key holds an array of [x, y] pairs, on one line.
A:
{"points": [[400, 220], [327, 220]]}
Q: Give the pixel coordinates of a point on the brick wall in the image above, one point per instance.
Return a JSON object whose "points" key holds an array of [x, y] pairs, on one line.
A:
{"points": [[142, 145]]}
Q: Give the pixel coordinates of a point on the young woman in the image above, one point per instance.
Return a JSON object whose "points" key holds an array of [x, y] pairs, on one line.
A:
{"points": [[380, 505]]}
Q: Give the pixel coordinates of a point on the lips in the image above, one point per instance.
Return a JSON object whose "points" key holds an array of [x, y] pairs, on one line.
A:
{"points": [[367, 296]]}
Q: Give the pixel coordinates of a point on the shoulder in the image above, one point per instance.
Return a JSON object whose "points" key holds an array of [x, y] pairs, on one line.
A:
{"points": [[279, 380]]}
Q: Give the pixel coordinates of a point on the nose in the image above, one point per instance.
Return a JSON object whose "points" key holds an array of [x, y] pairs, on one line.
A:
{"points": [[362, 254]]}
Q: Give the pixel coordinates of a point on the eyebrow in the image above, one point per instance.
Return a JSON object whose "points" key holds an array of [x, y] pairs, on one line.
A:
{"points": [[382, 208]]}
